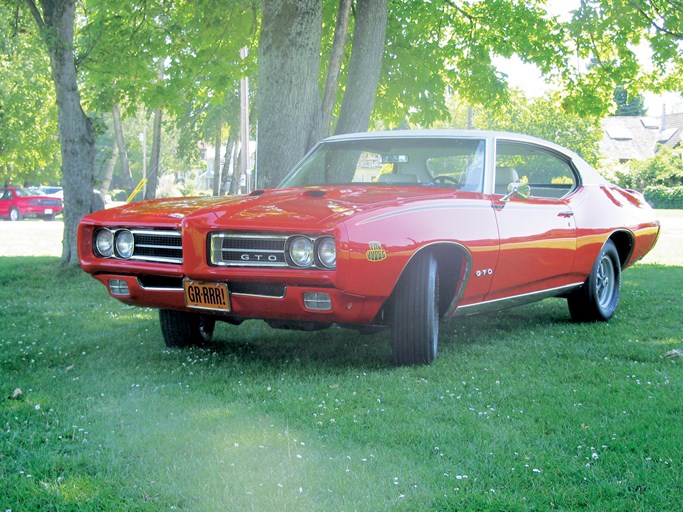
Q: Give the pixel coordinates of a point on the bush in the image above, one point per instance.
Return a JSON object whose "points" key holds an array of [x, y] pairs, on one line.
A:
{"points": [[664, 169], [663, 197]]}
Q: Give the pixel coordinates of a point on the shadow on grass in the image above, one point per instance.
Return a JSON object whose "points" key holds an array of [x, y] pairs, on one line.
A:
{"points": [[334, 347]]}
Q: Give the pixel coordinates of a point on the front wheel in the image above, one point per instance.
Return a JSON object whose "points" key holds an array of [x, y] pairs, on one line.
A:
{"points": [[182, 329], [14, 214], [597, 299], [415, 313]]}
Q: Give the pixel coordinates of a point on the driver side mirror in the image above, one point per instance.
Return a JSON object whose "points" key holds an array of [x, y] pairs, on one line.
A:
{"points": [[521, 190]]}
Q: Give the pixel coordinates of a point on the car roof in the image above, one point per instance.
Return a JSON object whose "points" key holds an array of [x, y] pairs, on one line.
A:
{"points": [[588, 173]]}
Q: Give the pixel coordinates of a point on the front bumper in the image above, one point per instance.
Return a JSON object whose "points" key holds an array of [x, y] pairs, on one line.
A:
{"points": [[344, 308]]}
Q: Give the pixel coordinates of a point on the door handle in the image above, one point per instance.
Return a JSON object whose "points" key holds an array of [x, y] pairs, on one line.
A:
{"points": [[566, 214]]}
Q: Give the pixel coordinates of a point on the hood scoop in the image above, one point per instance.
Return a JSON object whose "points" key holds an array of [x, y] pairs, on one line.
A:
{"points": [[315, 193]]}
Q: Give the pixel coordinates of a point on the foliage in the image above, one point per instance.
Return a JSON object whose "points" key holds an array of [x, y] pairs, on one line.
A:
{"points": [[436, 47], [628, 105], [29, 147], [663, 197], [522, 411], [664, 169], [541, 117], [610, 35]]}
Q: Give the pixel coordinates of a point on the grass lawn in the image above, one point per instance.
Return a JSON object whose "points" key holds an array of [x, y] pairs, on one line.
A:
{"points": [[522, 410]]}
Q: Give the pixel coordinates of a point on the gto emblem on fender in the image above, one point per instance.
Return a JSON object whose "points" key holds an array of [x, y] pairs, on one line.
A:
{"points": [[484, 272], [376, 252]]}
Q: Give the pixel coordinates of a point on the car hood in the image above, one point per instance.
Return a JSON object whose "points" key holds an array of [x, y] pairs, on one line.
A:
{"points": [[277, 209]]}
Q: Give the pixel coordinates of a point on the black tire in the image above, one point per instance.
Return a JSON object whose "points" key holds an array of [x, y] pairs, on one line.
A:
{"points": [[597, 299], [182, 329], [14, 214], [415, 313]]}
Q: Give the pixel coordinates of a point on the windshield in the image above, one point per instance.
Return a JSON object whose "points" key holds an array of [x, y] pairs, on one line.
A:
{"points": [[452, 163]]}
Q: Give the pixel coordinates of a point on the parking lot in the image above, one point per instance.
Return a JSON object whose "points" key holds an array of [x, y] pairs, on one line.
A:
{"points": [[41, 238]]}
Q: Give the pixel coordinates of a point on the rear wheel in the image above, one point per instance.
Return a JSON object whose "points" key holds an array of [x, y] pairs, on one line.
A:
{"points": [[415, 313], [14, 214], [597, 299], [182, 329]]}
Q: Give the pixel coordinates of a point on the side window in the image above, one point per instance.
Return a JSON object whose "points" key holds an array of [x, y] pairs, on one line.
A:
{"points": [[548, 174]]}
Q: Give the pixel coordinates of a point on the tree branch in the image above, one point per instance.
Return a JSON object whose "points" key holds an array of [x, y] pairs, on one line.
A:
{"points": [[334, 67], [36, 14], [653, 22]]}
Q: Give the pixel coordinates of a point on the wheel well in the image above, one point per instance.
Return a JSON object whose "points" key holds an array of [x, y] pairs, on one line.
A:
{"points": [[623, 241], [451, 263]]}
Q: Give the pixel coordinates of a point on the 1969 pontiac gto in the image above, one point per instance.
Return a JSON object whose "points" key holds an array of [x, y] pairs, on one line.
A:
{"points": [[401, 229]]}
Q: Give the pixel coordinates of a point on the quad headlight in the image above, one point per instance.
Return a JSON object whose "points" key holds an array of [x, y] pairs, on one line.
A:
{"points": [[305, 252], [301, 251], [327, 252], [119, 243], [104, 243], [125, 243]]}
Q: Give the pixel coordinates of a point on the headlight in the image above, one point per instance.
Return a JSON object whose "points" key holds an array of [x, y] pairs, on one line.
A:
{"points": [[327, 252], [125, 243], [301, 251], [104, 243]]}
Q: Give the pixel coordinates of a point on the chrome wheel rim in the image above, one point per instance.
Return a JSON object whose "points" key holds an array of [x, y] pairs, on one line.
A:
{"points": [[605, 282]]}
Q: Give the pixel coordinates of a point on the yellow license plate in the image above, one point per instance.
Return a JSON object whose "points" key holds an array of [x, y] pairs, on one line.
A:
{"points": [[201, 295]]}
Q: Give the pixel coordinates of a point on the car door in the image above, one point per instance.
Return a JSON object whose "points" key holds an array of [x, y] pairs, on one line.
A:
{"points": [[537, 233]]}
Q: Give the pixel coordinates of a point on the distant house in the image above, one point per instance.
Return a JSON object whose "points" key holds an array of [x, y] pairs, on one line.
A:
{"points": [[637, 138]]}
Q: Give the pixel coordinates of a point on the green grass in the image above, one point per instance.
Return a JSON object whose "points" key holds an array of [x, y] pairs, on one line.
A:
{"points": [[523, 410]]}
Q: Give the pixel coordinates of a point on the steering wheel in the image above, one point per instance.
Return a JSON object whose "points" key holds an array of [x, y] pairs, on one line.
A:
{"points": [[444, 180]]}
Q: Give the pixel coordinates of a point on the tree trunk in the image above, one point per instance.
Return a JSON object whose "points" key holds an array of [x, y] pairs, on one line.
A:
{"points": [[236, 176], [217, 163], [365, 66], [121, 144], [288, 97], [334, 67], [153, 174], [225, 174], [109, 171], [76, 136]]}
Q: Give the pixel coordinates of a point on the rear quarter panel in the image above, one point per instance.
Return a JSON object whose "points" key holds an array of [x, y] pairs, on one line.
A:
{"points": [[602, 210]]}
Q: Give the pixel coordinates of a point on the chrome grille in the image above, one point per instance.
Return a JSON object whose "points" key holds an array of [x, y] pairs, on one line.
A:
{"points": [[157, 245], [246, 250]]}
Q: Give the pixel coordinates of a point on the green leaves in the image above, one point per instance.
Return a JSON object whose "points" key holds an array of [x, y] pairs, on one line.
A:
{"points": [[29, 147]]}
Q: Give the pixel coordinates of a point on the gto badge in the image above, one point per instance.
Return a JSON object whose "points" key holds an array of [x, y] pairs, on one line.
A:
{"points": [[376, 252], [484, 272]]}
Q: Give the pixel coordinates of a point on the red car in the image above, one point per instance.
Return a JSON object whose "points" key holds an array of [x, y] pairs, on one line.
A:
{"points": [[397, 229], [17, 203]]}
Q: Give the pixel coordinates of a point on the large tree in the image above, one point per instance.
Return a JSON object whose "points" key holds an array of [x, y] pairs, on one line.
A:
{"points": [[55, 21], [291, 113], [288, 97]]}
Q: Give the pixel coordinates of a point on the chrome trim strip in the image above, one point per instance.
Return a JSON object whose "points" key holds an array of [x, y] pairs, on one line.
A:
{"points": [[515, 300], [157, 259], [278, 297], [181, 290], [153, 232], [252, 264]]}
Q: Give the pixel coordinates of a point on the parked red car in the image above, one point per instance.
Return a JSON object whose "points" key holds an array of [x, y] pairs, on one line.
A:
{"points": [[17, 203], [397, 229]]}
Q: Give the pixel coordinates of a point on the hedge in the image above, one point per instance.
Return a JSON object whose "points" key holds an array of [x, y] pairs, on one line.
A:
{"points": [[663, 197]]}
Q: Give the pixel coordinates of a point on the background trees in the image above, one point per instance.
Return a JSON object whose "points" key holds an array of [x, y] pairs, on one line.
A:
{"points": [[317, 66]]}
